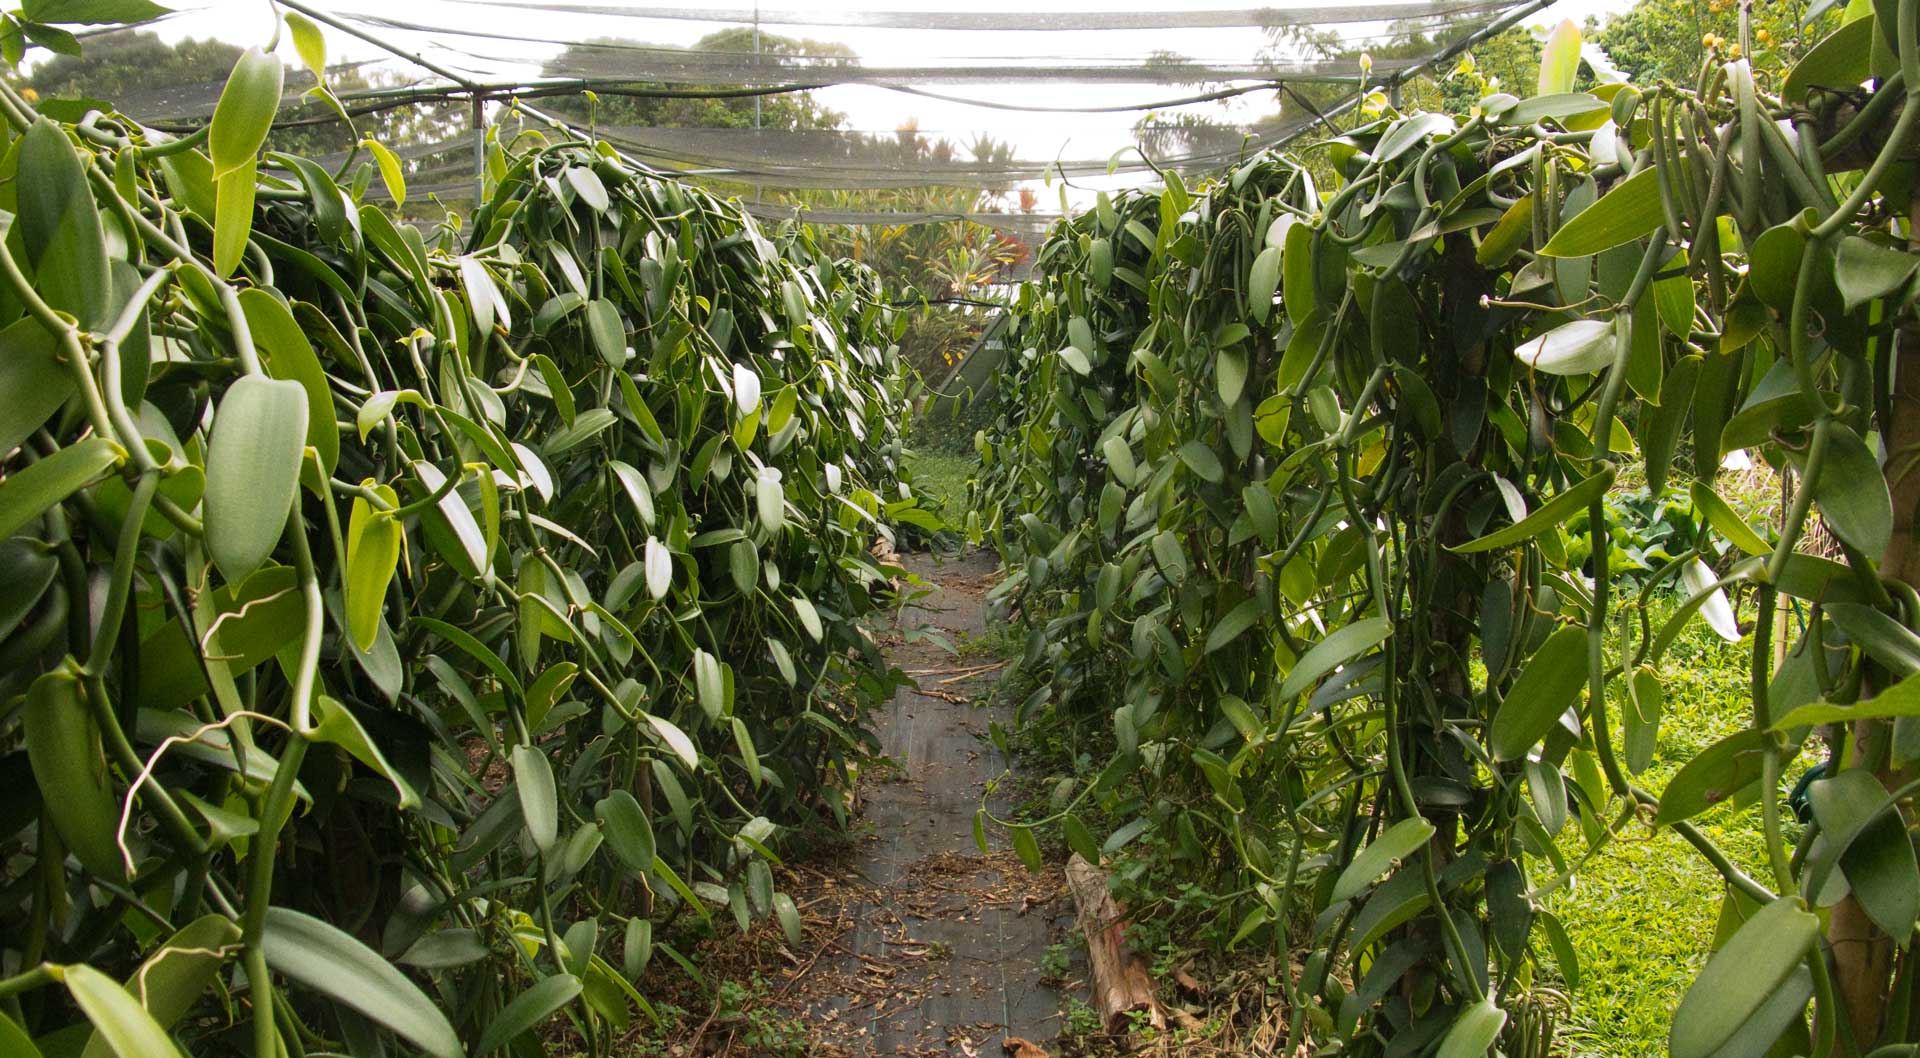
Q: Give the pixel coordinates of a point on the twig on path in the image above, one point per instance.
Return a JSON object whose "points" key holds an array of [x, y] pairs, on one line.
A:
{"points": [[981, 671]]}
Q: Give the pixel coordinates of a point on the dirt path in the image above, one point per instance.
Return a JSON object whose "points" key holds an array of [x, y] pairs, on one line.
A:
{"points": [[930, 948]]}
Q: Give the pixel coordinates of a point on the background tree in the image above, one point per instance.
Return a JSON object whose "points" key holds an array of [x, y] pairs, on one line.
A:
{"points": [[613, 56], [149, 79]]}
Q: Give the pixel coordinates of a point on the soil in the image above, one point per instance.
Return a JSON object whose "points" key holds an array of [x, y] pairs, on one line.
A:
{"points": [[916, 943]]}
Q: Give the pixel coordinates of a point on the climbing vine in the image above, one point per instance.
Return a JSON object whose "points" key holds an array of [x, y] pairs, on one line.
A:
{"points": [[1286, 475], [403, 627]]}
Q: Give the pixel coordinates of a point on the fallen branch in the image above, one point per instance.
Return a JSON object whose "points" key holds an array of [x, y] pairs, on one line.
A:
{"points": [[1121, 987]]}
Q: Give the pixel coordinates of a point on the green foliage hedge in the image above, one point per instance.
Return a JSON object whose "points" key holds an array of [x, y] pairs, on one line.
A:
{"points": [[402, 626], [1285, 476]]}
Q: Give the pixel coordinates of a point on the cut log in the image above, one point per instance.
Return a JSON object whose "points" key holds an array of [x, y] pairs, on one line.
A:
{"points": [[1121, 986]]}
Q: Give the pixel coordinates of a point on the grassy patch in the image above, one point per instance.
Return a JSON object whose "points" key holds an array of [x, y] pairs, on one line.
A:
{"points": [[1641, 915], [940, 480]]}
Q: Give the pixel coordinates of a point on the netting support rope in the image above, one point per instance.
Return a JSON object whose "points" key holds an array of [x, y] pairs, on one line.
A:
{"points": [[1399, 77]]}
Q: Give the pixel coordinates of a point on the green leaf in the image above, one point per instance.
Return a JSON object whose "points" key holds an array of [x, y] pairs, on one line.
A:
{"points": [[770, 499], [1884, 639], [1563, 506], [92, 12], [1409, 132], [1841, 61], [119, 1018], [1864, 270], [1342, 646], [1120, 459], [15, 1041], [253, 470], [390, 172], [1297, 264], [1512, 231], [628, 833], [1396, 843], [1262, 281], [749, 756], [233, 217], [527, 1010], [809, 617], [709, 684], [1631, 210], [586, 183], [245, 112], [1852, 492], [1646, 700], [789, 916], [1237, 621], [1865, 836], [1560, 59], [1901, 699], [310, 43], [1026, 846], [331, 962], [1726, 522], [1080, 839], [1074, 358], [288, 355], [1740, 977], [539, 805], [1230, 374], [60, 226], [33, 377], [1477, 1028], [28, 493], [1201, 460], [676, 740], [1717, 773], [609, 335], [1549, 684], [340, 727]]}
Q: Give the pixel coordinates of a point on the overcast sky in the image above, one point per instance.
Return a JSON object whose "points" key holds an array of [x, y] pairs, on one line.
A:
{"points": [[512, 42]]}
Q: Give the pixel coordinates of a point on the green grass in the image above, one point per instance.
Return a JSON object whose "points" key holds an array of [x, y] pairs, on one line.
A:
{"points": [[940, 480], [1641, 915]]}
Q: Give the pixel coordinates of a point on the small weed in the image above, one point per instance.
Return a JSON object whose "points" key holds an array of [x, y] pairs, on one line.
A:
{"points": [[1079, 1019], [1055, 962]]}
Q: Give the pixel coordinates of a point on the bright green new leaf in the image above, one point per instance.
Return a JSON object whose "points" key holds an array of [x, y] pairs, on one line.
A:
{"points": [[1560, 59], [310, 43], [390, 172], [244, 114], [374, 541]]}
